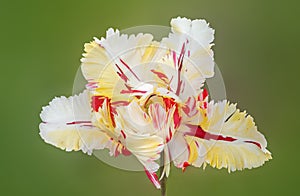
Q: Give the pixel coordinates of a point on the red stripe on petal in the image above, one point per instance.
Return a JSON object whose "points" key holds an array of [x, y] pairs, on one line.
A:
{"points": [[197, 131], [169, 103], [179, 68], [120, 103], [174, 57], [97, 101], [153, 178], [121, 74], [130, 90], [125, 151], [170, 134], [161, 75], [205, 105], [169, 137], [189, 107], [91, 85], [123, 134], [78, 122], [177, 118], [112, 116], [204, 94], [255, 143], [186, 110], [185, 165], [129, 69], [117, 153]]}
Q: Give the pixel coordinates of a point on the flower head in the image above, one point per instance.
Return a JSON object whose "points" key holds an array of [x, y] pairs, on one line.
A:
{"points": [[146, 99]]}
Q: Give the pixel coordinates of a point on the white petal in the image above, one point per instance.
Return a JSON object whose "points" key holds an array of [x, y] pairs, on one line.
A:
{"points": [[178, 148], [134, 120], [198, 30], [201, 31], [193, 41], [67, 125], [139, 135], [181, 25]]}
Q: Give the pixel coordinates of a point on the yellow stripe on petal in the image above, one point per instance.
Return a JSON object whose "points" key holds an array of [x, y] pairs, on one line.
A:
{"points": [[150, 52]]}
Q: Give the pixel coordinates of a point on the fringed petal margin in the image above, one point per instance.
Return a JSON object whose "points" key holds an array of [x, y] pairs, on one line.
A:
{"points": [[67, 125], [229, 137], [190, 45]]}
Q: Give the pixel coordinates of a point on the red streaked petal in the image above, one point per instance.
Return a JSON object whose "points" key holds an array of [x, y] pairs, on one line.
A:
{"points": [[125, 151], [121, 74], [177, 118], [117, 152], [204, 94], [130, 90], [91, 85], [169, 137], [125, 64], [153, 178], [161, 75], [253, 142], [189, 107], [169, 103], [197, 131], [185, 165], [79, 122], [120, 103], [123, 134], [174, 57], [97, 101]]}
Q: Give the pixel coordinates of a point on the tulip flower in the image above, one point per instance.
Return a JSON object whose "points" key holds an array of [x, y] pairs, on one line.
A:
{"points": [[147, 99]]}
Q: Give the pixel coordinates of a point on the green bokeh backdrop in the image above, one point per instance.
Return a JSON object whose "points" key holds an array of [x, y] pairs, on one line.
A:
{"points": [[257, 46]]}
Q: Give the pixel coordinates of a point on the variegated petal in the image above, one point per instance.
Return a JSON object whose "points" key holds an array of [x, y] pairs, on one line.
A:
{"points": [[67, 125]]}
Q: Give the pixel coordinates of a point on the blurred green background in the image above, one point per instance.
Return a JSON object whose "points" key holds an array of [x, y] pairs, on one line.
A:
{"points": [[257, 46]]}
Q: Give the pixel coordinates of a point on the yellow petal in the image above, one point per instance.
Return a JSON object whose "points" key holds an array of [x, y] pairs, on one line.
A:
{"points": [[230, 138]]}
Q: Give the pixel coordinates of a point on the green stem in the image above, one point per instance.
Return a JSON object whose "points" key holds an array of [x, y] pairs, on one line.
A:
{"points": [[163, 181]]}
